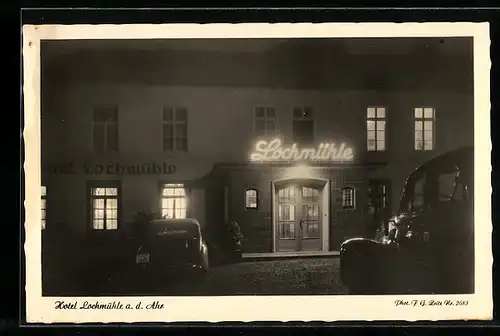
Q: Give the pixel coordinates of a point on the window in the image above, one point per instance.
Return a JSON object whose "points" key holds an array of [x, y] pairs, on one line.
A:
{"points": [[251, 199], [376, 128], [104, 202], [418, 195], [105, 128], [44, 206], [348, 198], [265, 121], [303, 125], [173, 201], [286, 213], [378, 195], [175, 129], [424, 128]]}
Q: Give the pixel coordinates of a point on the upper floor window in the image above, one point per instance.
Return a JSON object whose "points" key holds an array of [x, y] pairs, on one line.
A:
{"points": [[424, 128], [104, 200], [44, 206], [349, 198], [303, 125], [175, 129], [376, 128], [265, 121], [105, 128], [173, 201], [251, 199]]}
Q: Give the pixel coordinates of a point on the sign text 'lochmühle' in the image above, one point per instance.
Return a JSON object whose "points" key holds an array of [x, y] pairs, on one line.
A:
{"points": [[275, 151]]}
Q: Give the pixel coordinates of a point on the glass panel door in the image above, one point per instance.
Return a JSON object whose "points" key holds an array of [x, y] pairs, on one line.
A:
{"points": [[310, 220], [286, 219]]}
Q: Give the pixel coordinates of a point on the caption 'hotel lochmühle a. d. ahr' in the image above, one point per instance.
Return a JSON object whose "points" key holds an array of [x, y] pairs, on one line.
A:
{"points": [[303, 143]]}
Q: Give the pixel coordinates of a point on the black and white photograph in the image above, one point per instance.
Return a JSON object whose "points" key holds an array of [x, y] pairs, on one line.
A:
{"points": [[341, 167]]}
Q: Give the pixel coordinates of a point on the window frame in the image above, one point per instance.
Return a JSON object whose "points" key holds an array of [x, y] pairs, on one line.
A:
{"points": [[175, 122], [89, 198], [106, 124], [256, 207], [310, 118], [352, 197], [161, 197], [376, 119], [423, 119], [265, 118]]}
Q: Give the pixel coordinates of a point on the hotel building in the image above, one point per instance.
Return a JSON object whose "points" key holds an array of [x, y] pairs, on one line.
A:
{"points": [[304, 142]]}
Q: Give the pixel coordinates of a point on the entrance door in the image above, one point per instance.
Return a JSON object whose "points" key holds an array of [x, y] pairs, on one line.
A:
{"points": [[298, 218]]}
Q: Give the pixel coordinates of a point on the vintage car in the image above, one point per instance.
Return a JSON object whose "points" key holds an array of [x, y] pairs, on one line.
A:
{"points": [[428, 245], [172, 247]]}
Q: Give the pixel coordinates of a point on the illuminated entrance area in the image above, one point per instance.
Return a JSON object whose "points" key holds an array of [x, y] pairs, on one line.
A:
{"points": [[301, 215]]}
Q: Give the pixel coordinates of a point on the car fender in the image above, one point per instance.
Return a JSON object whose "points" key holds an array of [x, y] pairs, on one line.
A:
{"points": [[362, 258]]}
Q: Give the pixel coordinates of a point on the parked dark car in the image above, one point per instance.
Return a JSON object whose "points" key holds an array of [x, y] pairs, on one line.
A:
{"points": [[428, 245], [172, 247]]}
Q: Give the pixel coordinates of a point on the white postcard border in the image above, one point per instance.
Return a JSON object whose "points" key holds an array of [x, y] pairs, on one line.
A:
{"points": [[259, 308]]}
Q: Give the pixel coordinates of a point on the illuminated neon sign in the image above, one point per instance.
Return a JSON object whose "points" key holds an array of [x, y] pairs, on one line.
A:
{"points": [[274, 151]]}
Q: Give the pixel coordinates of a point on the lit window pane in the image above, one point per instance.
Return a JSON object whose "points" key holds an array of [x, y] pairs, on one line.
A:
{"points": [[98, 224], [111, 214], [112, 203], [381, 125], [44, 191], [428, 135], [418, 136], [419, 145], [418, 113], [381, 145], [428, 125], [418, 125], [98, 203], [380, 135], [98, 191], [370, 125], [428, 113], [111, 191], [428, 145], [112, 224], [381, 112], [371, 135], [371, 145], [370, 113], [167, 213], [98, 213]]}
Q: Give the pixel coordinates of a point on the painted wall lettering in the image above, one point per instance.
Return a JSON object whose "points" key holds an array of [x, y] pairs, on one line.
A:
{"points": [[275, 151], [91, 168]]}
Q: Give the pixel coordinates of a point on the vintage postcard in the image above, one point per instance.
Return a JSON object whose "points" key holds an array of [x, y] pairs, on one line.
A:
{"points": [[257, 172]]}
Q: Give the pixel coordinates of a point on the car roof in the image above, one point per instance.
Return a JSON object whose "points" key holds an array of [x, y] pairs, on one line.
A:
{"points": [[462, 156], [167, 221]]}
